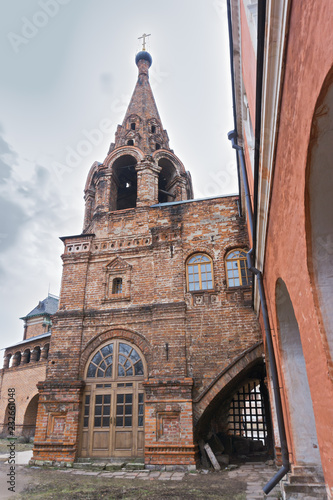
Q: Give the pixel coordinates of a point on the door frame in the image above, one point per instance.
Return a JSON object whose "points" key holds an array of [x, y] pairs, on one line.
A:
{"points": [[113, 385]]}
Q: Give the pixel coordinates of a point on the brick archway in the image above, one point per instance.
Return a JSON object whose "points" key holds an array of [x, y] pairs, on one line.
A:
{"points": [[30, 416], [226, 378], [319, 206]]}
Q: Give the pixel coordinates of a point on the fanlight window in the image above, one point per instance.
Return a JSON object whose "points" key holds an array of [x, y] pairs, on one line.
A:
{"points": [[237, 271], [199, 273], [116, 361]]}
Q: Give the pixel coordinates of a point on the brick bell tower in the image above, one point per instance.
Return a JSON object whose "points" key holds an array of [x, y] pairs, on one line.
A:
{"points": [[111, 389], [138, 170], [155, 318]]}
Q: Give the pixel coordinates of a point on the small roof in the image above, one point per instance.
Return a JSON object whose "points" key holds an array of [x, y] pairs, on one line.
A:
{"points": [[47, 306], [31, 339]]}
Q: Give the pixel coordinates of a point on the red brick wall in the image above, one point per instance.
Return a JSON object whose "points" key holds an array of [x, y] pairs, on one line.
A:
{"points": [[308, 62], [24, 380]]}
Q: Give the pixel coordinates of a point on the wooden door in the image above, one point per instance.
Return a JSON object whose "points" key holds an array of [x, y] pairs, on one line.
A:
{"points": [[113, 403]]}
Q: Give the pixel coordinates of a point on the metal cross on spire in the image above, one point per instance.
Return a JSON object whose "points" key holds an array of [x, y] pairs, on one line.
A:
{"points": [[144, 36]]}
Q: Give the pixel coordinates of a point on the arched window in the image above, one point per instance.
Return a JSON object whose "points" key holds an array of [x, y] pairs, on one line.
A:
{"points": [[130, 142], [117, 286], [16, 361], [26, 356], [128, 362], [35, 355], [199, 271], [6, 360], [45, 351], [237, 271]]}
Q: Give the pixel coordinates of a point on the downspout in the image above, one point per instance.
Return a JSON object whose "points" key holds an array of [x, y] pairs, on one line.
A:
{"points": [[231, 52], [240, 154], [232, 136], [273, 369]]}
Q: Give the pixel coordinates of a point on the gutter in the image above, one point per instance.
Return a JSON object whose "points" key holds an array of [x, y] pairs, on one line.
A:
{"points": [[253, 226], [231, 50]]}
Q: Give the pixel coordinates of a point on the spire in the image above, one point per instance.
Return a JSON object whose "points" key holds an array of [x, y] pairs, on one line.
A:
{"points": [[140, 169], [142, 126]]}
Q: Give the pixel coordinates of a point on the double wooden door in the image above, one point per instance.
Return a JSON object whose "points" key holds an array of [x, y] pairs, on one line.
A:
{"points": [[112, 422]]}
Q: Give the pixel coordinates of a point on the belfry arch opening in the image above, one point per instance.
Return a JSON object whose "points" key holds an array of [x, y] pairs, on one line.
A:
{"points": [[126, 182], [237, 422], [165, 178]]}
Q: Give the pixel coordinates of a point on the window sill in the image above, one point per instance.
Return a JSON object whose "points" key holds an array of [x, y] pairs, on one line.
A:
{"points": [[195, 292], [240, 287], [117, 297]]}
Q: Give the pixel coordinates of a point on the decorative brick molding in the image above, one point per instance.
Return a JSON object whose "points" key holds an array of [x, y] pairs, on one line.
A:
{"points": [[117, 268], [57, 420], [168, 422]]}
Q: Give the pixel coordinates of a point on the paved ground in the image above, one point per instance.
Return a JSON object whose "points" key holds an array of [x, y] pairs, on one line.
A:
{"points": [[254, 475]]}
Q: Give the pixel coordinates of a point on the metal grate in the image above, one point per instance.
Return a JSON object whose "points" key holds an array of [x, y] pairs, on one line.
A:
{"points": [[247, 413]]}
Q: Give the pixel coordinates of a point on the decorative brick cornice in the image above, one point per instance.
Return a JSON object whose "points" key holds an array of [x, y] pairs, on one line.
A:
{"points": [[51, 385]]}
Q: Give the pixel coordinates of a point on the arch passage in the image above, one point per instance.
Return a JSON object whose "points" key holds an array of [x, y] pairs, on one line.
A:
{"points": [[296, 381], [236, 411], [112, 421], [29, 422], [319, 203]]}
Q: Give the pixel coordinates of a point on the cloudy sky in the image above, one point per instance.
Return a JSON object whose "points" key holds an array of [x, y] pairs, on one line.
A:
{"points": [[67, 67]]}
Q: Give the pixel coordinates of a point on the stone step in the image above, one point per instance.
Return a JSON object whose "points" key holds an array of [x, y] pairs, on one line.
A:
{"points": [[134, 466], [304, 479], [117, 463], [98, 465], [306, 470], [300, 491], [114, 466], [82, 465]]}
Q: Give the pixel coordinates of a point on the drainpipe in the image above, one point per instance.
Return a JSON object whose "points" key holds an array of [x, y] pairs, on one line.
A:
{"points": [[231, 53], [233, 137], [273, 369]]}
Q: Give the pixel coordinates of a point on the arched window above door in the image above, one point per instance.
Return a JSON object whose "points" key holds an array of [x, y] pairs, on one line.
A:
{"points": [[116, 360]]}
